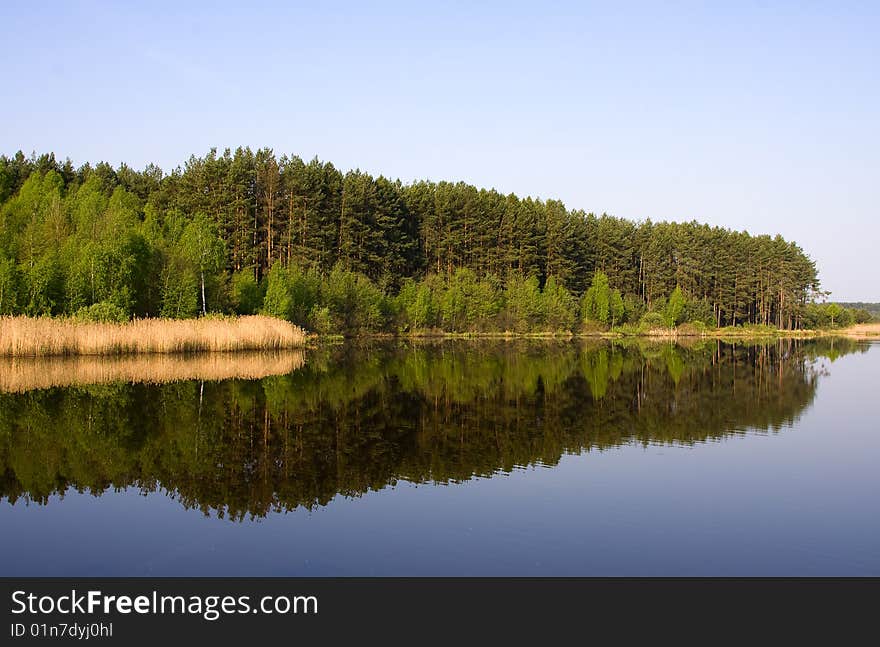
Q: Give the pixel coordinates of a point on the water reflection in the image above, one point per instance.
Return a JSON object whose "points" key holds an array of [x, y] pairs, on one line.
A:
{"points": [[20, 374], [354, 419]]}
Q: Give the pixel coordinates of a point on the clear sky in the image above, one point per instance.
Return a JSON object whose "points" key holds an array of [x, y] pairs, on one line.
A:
{"points": [[756, 116]]}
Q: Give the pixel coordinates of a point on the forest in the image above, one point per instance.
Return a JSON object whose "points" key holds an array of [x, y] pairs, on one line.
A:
{"points": [[248, 232]]}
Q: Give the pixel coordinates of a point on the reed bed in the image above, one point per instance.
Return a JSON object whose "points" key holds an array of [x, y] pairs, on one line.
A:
{"points": [[33, 337], [20, 374], [863, 331]]}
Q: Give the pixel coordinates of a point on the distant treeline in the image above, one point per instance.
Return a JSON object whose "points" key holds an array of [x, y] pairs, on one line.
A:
{"points": [[872, 309], [836, 315], [249, 232]]}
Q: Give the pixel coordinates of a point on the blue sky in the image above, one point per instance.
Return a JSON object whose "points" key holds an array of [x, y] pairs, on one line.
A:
{"points": [[755, 116]]}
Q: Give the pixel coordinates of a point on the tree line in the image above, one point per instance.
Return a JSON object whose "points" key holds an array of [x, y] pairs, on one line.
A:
{"points": [[246, 231], [861, 311]]}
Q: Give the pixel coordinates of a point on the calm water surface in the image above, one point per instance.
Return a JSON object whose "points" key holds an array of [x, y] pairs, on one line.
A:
{"points": [[454, 458]]}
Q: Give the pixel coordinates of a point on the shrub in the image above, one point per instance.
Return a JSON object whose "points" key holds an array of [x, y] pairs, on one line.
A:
{"points": [[675, 307], [653, 320], [355, 304], [692, 329], [278, 301], [592, 327], [524, 306], [417, 304], [596, 303], [468, 303], [560, 306], [700, 311], [8, 286], [628, 330], [320, 320], [102, 312], [291, 294], [633, 308], [247, 295]]}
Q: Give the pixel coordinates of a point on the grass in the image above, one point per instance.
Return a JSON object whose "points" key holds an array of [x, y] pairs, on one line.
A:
{"points": [[20, 374], [33, 337]]}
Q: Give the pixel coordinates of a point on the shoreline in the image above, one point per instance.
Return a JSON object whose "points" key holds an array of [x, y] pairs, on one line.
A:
{"points": [[862, 331], [46, 337]]}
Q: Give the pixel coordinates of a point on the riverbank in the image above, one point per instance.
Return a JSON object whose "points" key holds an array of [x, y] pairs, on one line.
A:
{"points": [[863, 331], [730, 334], [42, 337], [31, 337]]}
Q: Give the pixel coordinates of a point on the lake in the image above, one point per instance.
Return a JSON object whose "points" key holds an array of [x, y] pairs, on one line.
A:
{"points": [[446, 458]]}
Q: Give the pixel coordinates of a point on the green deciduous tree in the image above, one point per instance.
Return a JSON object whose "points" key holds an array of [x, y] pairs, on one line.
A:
{"points": [[596, 304], [675, 307], [833, 311], [354, 303], [8, 286], [418, 304], [560, 306], [468, 303], [525, 307], [202, 246], [247, 295]]}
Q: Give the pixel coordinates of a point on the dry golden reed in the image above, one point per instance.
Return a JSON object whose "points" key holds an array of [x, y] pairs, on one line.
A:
{"points": [[863, 331], [20, 374], [32, 337]]}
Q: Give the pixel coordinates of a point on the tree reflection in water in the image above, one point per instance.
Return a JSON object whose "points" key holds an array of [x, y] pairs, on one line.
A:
{"points": [[354, 419]]}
